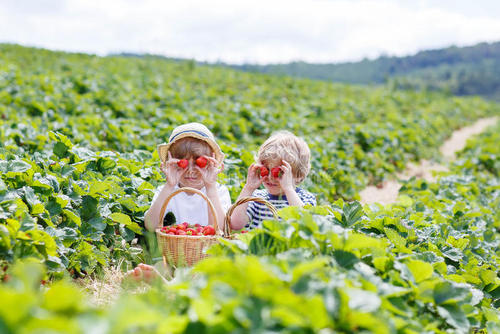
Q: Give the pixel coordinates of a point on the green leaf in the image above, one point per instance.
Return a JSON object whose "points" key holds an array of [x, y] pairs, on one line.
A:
{"points": [[362, 241], [98, 187], [488, 276], [125, 220], [345, 259], [454, 316], [405, 201], [420, 270], [60, 150], [88, 208], [64, 298], [398, 241], [72, 217], [12, 167], [352, 214], [364, 301], [445, 293]]}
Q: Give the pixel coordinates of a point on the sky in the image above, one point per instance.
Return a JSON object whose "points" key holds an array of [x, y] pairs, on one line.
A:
{"points": [[257, 31]]}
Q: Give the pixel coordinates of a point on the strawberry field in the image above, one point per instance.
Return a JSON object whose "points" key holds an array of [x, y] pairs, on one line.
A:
{"points": [[79, 168]]}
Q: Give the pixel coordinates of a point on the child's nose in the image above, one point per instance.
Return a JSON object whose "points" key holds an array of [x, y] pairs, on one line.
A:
{"points": [[191, 164]]}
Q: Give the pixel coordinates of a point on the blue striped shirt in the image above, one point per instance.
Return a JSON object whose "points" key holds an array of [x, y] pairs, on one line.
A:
{"points": [[258, 212]]}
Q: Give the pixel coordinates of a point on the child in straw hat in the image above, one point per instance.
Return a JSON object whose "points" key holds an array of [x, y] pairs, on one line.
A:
{"points": [[189, 142], [179, 156], [283, 162]]}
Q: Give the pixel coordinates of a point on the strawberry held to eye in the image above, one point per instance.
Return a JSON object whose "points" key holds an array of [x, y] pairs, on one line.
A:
{"points": [[264, 171], [201, 162], [276, 172], [183, 163]]}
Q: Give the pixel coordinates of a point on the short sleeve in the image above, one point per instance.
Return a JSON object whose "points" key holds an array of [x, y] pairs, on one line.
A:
{"points": [[252, 207], [157, 192], [155, 196], [251, 211], [308, 198], [225, 199]]}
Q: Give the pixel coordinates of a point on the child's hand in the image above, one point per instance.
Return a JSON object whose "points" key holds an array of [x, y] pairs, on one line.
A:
{"points": [[172, 172], [286, 180], [253, 177], [210, 172]]}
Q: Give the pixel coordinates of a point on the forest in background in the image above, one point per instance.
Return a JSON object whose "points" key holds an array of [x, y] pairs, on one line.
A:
{"points": [[473, 70]]}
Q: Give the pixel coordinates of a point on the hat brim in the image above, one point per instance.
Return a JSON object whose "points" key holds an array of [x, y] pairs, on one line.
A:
{"points": [[163, 148]]}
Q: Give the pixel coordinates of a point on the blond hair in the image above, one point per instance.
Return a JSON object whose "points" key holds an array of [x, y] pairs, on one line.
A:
{"points": [[284, 145], [189, 147]]}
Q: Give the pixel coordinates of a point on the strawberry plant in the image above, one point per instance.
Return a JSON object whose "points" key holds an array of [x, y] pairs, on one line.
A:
{"points": [[79, 168]]}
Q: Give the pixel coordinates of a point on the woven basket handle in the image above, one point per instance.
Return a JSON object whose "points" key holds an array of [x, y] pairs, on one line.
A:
{"points": [[191, 191], [243, 200]]}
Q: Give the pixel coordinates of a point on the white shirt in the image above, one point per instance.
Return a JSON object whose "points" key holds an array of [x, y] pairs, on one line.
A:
{"points": [[192, 208]]}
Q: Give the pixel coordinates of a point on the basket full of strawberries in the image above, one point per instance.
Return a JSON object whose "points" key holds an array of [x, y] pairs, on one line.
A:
{"points": [[185, 244]]}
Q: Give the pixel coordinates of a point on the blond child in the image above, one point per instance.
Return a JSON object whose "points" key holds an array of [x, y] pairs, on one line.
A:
{"points": [[187, 142], [283, 162]]}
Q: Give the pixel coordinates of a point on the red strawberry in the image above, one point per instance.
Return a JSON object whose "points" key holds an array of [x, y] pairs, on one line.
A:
{"points": [[264, 171], [181, 232], [201, 162], [171, 233], [183, 163], [244, 231], [182, 226], [209, 230], [276, 172], [197, 225]]}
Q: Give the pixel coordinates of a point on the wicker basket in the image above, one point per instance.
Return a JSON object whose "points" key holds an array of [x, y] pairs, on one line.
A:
{"points": [[243, 200], [186, 250]]}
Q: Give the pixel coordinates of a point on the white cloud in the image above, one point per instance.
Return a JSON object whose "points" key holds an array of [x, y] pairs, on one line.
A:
{"points": [[257, 31]]}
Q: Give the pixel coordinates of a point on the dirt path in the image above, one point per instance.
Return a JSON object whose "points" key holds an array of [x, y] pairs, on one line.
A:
{"points": [[388, 193]]}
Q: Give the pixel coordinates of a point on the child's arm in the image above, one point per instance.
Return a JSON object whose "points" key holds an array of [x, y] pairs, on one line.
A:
{"points": [[173, 175], [152, 216], [288, 186], [239, 217]]}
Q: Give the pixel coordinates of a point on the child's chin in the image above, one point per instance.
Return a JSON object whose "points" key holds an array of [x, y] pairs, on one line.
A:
{"points": [[197, 184], [275, 191]]}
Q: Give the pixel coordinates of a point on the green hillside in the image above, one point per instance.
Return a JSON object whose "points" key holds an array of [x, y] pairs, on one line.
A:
{"points": [[78, 170], [473, 70]]}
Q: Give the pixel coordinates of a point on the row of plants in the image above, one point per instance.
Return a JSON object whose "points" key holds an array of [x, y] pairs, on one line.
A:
{"points": [[427, 264], [357, 135], [78, 135]]}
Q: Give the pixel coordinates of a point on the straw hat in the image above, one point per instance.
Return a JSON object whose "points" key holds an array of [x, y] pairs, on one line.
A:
{"points": [[194, 130]]}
